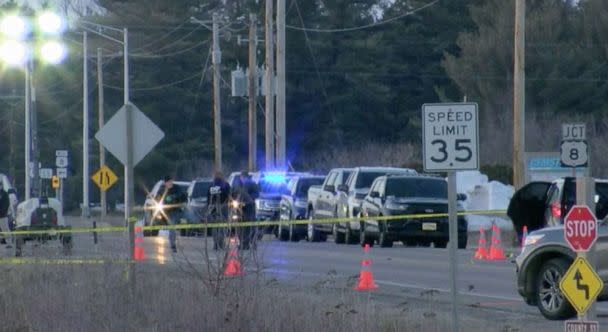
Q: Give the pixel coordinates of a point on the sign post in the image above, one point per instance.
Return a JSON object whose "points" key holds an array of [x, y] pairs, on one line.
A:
{"points": [[450, 137], [580, 284]]}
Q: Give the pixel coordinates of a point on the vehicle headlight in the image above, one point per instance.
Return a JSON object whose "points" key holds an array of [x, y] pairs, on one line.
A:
{"points": [[300, 204], [397, 207], [235, 204], [533, 239], [158, 207]]}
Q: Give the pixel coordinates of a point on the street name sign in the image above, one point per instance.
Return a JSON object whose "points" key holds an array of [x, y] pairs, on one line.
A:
{"points": [[450, 137], [46, 173], [581, 285], [581, 326]]}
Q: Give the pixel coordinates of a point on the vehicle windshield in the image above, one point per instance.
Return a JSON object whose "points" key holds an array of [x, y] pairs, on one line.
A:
{"points": [[365, 179], [304, 185], [428, 188], [200, 189]]}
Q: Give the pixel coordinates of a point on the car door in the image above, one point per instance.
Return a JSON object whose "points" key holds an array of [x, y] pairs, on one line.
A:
{"points": [[325, 197], [374, 205], [527, 206]]}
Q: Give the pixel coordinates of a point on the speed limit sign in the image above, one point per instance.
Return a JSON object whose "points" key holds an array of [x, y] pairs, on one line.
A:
{"points": [[574, 153], [450, 137]]}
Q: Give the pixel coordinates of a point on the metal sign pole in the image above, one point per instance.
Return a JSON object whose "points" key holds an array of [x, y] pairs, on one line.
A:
{"points": [[453, 221]]}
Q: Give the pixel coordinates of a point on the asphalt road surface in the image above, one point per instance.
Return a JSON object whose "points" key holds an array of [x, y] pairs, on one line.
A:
{"points": [[400, 272]]}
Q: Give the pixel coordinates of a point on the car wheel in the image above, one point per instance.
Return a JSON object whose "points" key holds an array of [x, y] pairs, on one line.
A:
{"points": [[364, 238], [383, 239], [293, 237], [312, 233], [462, 242], [282, 234], [441, 244], [349, 237], [338, 237], [551, 302]]}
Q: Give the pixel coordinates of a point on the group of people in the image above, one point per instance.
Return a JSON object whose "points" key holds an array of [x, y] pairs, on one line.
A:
{"points": [[219, 195]]}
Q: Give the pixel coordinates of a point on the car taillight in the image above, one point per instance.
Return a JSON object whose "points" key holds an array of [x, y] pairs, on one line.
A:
{"points": [[556, 210], [33, 219], [54, 219]]}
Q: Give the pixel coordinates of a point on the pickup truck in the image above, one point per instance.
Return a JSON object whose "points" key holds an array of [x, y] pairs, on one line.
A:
{"points": [[323, 203], [350, 196]]}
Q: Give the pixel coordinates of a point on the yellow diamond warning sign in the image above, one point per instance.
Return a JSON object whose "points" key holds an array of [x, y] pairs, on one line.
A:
{"points": [[581, 285], [104, 178]]}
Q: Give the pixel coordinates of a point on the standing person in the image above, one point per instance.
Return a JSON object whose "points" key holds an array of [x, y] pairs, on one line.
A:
{"points": [[217, 199], [246, 193], [174, 199], [4, 206]]}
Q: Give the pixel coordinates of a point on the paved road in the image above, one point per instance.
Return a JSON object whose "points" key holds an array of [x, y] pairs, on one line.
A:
{"points": [[399, 271]]}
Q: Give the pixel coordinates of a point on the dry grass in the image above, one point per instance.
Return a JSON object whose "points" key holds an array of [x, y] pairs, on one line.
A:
{"points": [[98, 298]]}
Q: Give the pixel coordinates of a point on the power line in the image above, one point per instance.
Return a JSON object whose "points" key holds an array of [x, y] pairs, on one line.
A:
{"points": [[371, 25], [185, 50], [157, 87]]}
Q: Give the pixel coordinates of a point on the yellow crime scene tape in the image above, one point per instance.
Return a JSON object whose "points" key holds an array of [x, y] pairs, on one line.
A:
{"points": [[60, 261], [115, 229]]}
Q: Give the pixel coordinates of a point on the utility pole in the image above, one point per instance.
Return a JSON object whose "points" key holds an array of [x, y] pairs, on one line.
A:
{"points": [[217, 121], [28, 132], [102, 151], [519, 95], [85, 127], [270, 137], [281, 162], [253, 75], [34, 125]]}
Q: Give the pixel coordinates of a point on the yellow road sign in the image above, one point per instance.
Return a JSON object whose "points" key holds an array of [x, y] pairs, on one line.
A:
{"points": [[55, 182], [581, 285], [104, 178]]}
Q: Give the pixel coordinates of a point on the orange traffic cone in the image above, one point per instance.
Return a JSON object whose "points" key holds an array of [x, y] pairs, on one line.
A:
{"points": [[482, 251], [366, 278], [524, 236], [139, 253], [496, 252], [233, 264]]}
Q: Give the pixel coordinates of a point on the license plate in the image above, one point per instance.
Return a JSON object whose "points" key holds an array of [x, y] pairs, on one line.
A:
{"points": [[429, 226]]}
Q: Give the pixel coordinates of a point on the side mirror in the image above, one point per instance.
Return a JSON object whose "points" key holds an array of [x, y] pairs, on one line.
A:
{"points": [[343, 188], [374, 194], [461, 197], [329, 188]]}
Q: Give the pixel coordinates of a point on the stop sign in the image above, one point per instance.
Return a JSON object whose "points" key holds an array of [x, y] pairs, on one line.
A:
{"points": [[580, 228]]}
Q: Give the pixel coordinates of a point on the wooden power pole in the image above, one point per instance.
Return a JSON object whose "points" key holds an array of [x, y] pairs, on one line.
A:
{"points": [[519, 96], [253, 75], [281, 157], [217, 121], [270, 137]]}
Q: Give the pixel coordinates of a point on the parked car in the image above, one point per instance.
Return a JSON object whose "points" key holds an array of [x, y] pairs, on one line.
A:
{"points": [[323, 203], [350, 196], [542, 204], [272, 186], [293, 206], [153, 206], [196, 209], [546, 256], [395, 195], [544, 260]]}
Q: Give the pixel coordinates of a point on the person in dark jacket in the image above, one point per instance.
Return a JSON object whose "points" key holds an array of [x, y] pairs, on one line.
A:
{"points": [[4, 206], [246, 192], [174, 200], [217, 198]]}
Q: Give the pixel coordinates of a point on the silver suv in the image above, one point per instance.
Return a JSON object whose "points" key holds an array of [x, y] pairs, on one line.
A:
{"points": [[546, 256]]}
